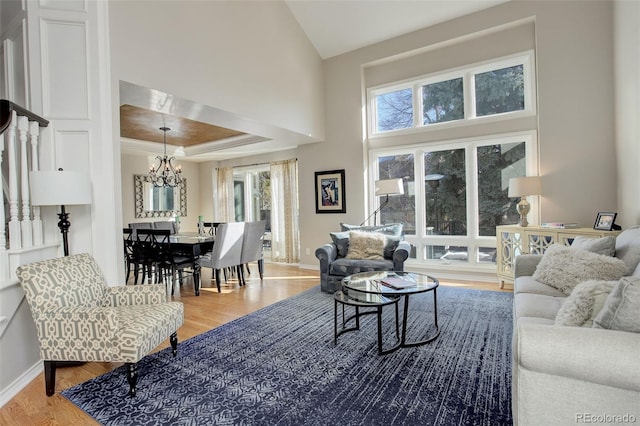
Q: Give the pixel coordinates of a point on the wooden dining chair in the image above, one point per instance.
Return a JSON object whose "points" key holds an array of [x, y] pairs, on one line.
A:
{"points": [[227, 250], [168, 263], [130, 254]]}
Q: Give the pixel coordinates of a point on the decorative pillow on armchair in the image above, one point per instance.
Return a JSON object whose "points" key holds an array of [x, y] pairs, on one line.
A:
{"points": [[563, 268], [366, 245], [605, 246], [584, 303], [392, 231]]}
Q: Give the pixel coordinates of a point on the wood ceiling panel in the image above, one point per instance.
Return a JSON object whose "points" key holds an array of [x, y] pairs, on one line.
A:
{"points": [[143, 124]]}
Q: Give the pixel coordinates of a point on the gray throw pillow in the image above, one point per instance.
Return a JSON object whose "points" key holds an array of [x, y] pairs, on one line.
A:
{"points": [[563, 268], [622, 307], [341, 240], [605, 246], [628, 248]]}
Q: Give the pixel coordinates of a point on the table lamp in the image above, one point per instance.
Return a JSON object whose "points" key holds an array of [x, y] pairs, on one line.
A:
{"points": [[52, 188], [523, 187], [385, 187]]}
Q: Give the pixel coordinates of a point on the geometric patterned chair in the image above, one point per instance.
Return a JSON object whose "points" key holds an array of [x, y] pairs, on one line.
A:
{"points": [[80, 318]]}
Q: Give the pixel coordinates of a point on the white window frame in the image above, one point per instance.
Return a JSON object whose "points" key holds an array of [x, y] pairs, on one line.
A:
{"points": [[472, 240], [526, 59]]}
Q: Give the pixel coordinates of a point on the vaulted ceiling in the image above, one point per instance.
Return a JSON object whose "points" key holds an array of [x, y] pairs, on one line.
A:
{"points": [[333, 27]]}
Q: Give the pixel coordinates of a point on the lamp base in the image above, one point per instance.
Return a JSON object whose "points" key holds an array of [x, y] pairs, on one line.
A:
{"points": [[64, 226], [523, 208]]}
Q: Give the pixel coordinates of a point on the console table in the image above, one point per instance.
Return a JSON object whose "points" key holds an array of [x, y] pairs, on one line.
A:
{"points": [[514, 240]]}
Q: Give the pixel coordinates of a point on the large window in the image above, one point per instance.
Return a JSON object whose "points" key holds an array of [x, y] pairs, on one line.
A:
{"points": [[501, 87], [456, 194]]}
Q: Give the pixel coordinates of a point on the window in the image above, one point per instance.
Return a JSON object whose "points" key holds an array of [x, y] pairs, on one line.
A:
{"points": [[497, 89], [456, 194], [443, 101], [394, 110]]}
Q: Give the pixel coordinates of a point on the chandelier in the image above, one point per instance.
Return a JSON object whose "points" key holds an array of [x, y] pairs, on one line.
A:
{"points": [[166, 173]]}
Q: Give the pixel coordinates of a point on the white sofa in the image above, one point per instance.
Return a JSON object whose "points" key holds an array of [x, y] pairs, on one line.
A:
{"points": [[567, 375]]}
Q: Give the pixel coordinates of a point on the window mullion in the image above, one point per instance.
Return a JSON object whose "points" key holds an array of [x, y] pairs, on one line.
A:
{"points": [[417, 105], [469, 96]]}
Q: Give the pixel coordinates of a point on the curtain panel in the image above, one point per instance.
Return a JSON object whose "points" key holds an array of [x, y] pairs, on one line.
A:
{"points": [[223, 202], [285, 235]]}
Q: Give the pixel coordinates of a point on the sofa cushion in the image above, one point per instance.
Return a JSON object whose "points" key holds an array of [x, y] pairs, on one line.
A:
{"points": [[537, 306], [585, 299], [366, 245], [622, 307], [563, 267], [528, 284], [605, 246], [628, 248], [343, 266]]}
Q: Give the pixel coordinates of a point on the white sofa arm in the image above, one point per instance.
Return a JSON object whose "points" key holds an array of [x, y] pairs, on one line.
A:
{"points": [[605, 357]]}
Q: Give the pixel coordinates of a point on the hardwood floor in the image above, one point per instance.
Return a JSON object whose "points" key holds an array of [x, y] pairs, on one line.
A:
{"points": [[211, 309]]}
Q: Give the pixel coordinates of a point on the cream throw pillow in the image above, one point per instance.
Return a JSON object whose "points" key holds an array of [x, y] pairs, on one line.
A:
{"points": [[366, 245], [584, 303], [563, 267]]}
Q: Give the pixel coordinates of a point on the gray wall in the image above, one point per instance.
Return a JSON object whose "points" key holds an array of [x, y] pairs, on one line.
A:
{"points": [[574, 43]]}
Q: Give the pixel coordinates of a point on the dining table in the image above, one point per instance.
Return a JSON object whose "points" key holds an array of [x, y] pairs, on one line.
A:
{"points": [[193, 245]]}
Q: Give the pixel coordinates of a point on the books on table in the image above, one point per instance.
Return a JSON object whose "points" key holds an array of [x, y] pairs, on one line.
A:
{"points": [[560, 225], [397, 283]]}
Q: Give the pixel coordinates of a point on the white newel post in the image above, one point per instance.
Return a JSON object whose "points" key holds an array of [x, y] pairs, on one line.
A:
{"points": [[25, 223], [34, 133], [4, 256], [15, 240]]}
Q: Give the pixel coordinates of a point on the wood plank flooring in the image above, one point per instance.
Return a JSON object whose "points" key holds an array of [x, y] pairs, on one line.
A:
{"points": [[211, 309]]}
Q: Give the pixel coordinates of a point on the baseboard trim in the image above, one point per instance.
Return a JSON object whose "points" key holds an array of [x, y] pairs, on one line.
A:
{"points": [[7, 394]]}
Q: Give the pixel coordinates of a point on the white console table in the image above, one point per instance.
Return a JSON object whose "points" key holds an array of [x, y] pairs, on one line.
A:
{"points": [[514, 240]]}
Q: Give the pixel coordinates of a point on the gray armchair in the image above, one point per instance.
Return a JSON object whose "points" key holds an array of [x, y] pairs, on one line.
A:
{"points": [[336, 263]]}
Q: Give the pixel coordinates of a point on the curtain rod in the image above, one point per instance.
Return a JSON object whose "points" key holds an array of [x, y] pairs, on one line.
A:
{"points": [[262, 164]]}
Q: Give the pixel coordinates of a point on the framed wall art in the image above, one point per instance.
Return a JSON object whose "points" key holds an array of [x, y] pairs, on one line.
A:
{"points": [[330, 192]]}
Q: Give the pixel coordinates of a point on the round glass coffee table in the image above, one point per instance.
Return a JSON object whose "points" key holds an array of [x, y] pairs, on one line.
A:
{"points": [[394, 284]]}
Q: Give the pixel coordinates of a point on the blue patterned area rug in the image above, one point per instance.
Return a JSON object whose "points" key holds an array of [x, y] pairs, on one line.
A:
{"points": [[279, 366]]}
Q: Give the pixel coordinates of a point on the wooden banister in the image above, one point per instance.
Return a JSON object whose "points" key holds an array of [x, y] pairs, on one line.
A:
{"points": [[6, 107]]}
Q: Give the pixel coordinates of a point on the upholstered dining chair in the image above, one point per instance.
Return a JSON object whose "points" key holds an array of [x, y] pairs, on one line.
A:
{"points": [[252, 247], [227, 250], [80, 318]]}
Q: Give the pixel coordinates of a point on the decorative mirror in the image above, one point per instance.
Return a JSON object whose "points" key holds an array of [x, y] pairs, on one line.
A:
{"points": [[153, 201]]}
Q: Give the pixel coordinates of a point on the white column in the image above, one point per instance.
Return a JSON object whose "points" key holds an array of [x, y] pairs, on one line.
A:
{"points": [[15, 237], [25, 223], [34, 135]]}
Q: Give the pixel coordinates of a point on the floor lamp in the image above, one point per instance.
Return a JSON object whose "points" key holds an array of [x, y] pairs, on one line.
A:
{"points": [[385, 187], [63, 188]]}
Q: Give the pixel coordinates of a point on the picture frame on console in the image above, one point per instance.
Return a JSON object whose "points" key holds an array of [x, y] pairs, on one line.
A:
{"points": [[605, 221], [330, 192]]}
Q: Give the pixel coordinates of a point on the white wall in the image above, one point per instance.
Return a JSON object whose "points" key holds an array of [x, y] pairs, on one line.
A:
{"points": [[627, 110], [575, 101]]}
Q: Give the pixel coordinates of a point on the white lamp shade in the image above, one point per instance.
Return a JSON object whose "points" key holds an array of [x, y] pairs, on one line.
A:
{"points": [[389, 187], [50, 188], [525, 186]]}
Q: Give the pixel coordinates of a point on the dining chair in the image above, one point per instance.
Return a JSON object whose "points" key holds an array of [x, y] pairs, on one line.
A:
{"points": [[252, 247], [165, 224], [130, 254], [160, 255], [211, 227], [227, 250]]}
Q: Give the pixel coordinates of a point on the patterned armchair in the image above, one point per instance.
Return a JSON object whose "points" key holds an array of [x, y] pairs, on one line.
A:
{"points": [[382, 250], [80, 318]]}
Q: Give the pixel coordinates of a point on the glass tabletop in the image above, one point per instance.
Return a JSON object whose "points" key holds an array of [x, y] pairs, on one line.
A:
{"points": [[390, 282]]}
